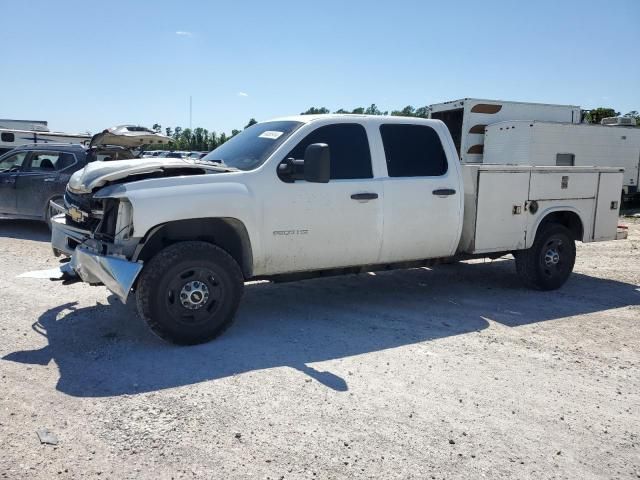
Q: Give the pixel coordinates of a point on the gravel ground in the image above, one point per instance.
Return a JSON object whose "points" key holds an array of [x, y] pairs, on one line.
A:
{"points": [[451, 372]]}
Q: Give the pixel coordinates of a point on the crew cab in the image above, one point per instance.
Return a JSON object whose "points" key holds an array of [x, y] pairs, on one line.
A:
{"points": [[307, 196]]}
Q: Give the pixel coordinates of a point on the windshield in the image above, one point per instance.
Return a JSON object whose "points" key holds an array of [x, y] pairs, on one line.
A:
{"points": [[251, 147]]}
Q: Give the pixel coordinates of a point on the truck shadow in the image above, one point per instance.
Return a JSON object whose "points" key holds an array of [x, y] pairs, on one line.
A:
{"points": [[25, 230], [105, 350]]}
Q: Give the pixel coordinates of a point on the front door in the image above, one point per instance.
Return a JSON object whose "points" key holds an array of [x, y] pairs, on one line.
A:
{"points": [[11, 166], [42, 180], [315, 226]]}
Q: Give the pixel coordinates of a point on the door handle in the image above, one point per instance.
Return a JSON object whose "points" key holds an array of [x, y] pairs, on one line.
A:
{"points": [[50, 179], [364, 196], [444, 192]]}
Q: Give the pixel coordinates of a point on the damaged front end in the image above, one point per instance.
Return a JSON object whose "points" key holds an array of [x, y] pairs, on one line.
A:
{"points": [[97, 234], [96, 226]]}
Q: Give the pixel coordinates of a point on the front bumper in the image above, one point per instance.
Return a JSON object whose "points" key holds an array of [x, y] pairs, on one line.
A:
{"points": [[115, 273], [65, 238]]}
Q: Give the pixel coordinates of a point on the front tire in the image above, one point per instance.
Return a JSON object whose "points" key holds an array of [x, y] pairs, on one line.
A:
{"points": [[189, 292], [549, 262]]}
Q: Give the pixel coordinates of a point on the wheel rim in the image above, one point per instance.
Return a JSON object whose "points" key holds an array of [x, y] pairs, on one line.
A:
{"points": [[194, 296], [552, 257]]}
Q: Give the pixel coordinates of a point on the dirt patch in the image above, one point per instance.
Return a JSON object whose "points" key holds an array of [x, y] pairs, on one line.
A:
{"points": [[451, 372]]}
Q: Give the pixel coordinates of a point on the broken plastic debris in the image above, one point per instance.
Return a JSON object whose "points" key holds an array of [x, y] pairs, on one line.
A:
{"points": [[50, 273], [47, 437]]}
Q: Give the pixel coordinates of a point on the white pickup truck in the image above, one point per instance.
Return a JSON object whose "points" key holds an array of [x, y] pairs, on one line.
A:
{"points": [[307, 196]]}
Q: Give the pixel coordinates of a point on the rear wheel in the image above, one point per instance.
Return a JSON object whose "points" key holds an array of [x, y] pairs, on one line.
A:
{"points": [[189, 292], [549, 262]]}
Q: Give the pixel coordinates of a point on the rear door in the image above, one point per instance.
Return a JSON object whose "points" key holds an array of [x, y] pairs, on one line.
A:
{"points": [[423, 195], [44, 177], [11, 166]]}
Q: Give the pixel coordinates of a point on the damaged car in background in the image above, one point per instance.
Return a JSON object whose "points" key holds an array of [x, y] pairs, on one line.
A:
{"points": [[33, 177]]}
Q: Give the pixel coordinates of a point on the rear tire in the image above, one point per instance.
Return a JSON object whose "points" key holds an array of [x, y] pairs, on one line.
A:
{"points": [[189, 292], [549, 262]]}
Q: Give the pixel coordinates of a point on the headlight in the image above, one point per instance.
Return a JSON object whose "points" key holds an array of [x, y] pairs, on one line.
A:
{"points": [[124, 223]]}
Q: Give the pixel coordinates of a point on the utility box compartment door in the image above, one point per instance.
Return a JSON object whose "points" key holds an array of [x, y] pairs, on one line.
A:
{"points": [[500, 214], [562, 185], [607, 206]]}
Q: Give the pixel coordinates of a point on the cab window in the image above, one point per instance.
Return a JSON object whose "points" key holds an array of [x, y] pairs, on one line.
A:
{"points": [[413, 151], [349, 147]]}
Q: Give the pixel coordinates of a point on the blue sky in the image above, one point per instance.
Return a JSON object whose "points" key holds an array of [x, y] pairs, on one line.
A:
{"points": [[85, 65]]}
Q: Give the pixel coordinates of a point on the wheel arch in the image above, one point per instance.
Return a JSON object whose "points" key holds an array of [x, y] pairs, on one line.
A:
{"points": [[567, 216], [230, 234]]}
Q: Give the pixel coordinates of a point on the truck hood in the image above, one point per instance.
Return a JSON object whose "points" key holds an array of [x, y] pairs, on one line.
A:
{"points": [[98, 174]]}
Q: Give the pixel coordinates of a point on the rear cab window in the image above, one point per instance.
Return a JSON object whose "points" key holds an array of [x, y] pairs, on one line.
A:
{"points": [[413, 150], [349, 147]]}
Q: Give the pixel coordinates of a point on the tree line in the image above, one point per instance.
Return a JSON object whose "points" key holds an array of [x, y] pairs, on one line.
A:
{"points": [[203, 140]]}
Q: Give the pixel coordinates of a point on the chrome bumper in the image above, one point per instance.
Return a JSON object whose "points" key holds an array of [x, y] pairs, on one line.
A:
{"points": [[64, 238], [117, 274]]}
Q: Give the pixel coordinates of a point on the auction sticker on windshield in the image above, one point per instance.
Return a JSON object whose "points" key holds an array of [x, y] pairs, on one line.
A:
{"points": [[272, 134]]}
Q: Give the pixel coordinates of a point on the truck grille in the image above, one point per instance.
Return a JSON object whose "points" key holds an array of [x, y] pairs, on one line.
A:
{"points": [[84, 203]]}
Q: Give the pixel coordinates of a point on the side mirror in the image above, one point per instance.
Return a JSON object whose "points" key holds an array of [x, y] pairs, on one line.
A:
{"points": [[317, 163]]}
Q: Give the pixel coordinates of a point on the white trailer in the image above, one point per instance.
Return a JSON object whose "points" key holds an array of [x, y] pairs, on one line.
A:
{"points": [[566, 144], [11, 138], [468, 117], [24, 124]]}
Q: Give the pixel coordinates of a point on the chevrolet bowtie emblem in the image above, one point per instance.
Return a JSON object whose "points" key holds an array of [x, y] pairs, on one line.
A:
{"points": [[76, 214]]}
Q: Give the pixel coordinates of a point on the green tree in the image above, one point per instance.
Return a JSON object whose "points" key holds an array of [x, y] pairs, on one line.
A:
{"points": [[234, 132], [252, 121], [315, 111], [374, 110], [168, 131], [212, 141], [197, 139], [595, 115], [157, 127], [341, 110], [358, 111], [422, 112], [407, 111]]}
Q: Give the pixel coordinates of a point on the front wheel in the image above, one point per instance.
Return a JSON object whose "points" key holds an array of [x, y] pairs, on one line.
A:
{"points": [[189, 292], [549, 262]]}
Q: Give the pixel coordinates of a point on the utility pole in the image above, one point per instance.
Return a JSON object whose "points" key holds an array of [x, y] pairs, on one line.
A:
{"points": [[190, 112]]}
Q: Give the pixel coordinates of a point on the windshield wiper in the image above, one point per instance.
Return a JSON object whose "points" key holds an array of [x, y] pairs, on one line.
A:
{"points": [[218, 163]]}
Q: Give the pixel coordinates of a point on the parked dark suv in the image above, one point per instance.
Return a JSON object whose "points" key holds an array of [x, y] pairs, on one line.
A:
{"points": [[33, 175]]}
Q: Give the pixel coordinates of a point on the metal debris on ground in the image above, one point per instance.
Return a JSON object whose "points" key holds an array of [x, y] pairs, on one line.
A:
{"points": [[47, 437]]}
